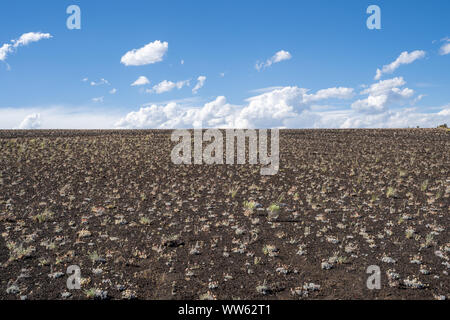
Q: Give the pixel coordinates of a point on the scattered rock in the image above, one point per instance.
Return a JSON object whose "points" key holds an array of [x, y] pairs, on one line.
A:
{"points": [[414, 283], [387, 259], [128, 295], [14, 289], [56, 275], [326, 265], [120, 287]]}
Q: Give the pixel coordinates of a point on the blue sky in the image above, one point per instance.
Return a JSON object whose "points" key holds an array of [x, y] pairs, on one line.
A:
{"points": [[324, 47]]}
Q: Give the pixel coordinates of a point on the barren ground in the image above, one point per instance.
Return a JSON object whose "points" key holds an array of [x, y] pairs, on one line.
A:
{"points": [[141, 227]]}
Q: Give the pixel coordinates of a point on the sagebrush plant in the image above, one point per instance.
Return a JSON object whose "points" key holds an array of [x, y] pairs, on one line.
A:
{"points": [[391, 192], [144, 221], [263, 288], [250, 205], [274, 207], [90, 293], [207, 296], [402, 173], [424, 186], [270, 250], [94, 256], [429, 240], [233, 192], [44, 216], [17, 252]]}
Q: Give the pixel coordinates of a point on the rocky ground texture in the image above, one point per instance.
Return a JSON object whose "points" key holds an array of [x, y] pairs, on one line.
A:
{"points": [[140, 227]]}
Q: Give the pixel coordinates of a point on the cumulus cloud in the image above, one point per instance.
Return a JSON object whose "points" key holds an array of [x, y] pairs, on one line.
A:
{"points": [[217, 113], [271, 109], [99, 83], [59, 117], [166, 86], [265, 90], [151, 53], [98, 100], [288, 107], [445, 49], [275, 107], [4, 50], [382, 94], [24, 40], [330, 93], [404, 118], [404, 58], [141, 81], [32, 121], [278, 57], [294, 107], [200, 83], [30, 37]]}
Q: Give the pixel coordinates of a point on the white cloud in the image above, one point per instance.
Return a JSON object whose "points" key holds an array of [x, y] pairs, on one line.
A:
{"points": [[275, 107], [404, 118], [384, 86], [265, 90], [200, 83], [141, 81], [100, 82], [417, 99], [185, 102], [278, 57], [85, 79], [217, 113], [32, 121], [283, 108], [271, 109], [153, 116], [330, 93], [445, 49], [404, 58], [289, 111], [151, 53], [281, 56], [182, 62], [60, 117], [4, 50], [30, 37], [98, 100], [166, 86], [113, 91], [24, 40], [383, 94]]}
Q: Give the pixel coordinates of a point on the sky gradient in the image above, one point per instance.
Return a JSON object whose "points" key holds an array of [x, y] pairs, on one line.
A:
{"points": [[185, 64]]}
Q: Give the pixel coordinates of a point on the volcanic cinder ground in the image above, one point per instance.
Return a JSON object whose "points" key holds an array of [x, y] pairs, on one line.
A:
{"points": [[138, 226]]}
